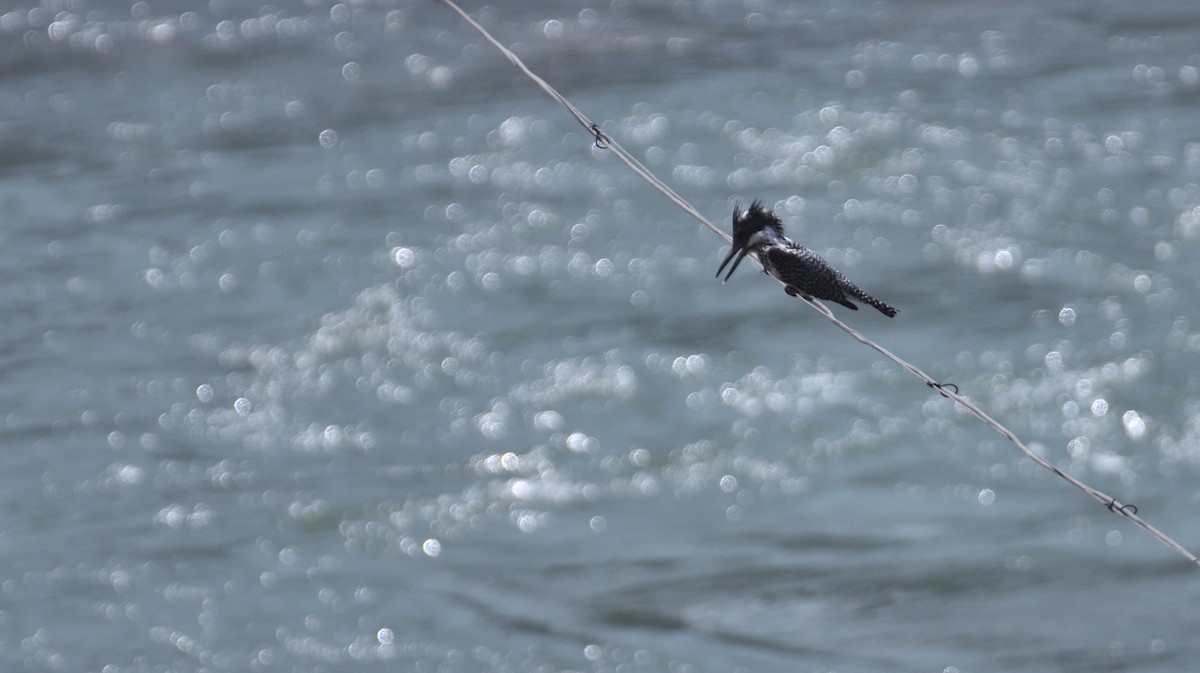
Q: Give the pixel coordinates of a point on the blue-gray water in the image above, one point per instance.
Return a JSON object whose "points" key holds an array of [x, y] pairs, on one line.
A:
{"points": [[331, 344]]}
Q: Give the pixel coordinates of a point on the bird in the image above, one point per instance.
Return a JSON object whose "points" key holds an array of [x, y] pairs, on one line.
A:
{"points": [[803, 272]]}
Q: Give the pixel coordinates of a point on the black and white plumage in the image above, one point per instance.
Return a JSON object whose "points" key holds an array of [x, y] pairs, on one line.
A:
{"points": [[801, 270]]}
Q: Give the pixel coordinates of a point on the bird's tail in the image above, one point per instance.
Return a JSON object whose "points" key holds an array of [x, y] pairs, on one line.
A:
{"points": [[869, 300], [880, 306]]}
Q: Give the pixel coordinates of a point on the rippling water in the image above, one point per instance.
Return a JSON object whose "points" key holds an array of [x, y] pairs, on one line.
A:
{"points": [[333, 345]]}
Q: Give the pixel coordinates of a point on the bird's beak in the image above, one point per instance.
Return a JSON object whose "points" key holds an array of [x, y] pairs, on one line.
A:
{"points": [[741, 254]]}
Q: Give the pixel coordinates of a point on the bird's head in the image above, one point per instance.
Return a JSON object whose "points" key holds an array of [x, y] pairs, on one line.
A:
{"points": [[748, 229]]}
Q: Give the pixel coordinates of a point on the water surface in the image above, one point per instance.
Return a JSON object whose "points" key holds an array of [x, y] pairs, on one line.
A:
{"points": [[334, 345]]}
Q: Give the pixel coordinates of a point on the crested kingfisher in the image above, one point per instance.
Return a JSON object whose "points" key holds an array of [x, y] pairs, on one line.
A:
{"points": [[801, 270]]}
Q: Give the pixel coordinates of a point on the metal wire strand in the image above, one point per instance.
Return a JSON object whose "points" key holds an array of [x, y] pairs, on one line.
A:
{"points": [[948, 390]]}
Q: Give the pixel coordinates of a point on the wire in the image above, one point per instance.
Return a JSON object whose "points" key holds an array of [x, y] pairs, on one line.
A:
{"points": [[603, 141]]}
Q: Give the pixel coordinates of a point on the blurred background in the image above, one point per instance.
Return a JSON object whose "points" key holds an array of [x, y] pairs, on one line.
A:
{"points": [[332, 344]]}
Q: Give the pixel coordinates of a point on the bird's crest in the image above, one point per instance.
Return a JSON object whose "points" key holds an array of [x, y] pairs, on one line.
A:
{"points": [[756, 218]]}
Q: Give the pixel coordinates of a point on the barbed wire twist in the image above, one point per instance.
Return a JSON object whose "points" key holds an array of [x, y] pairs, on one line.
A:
{"points": [[947, 390]]}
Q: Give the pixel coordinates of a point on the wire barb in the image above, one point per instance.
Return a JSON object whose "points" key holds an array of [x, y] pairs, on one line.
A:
{"points": [[941, 386], [601, 139], [605, 142], [1117, 508]]}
